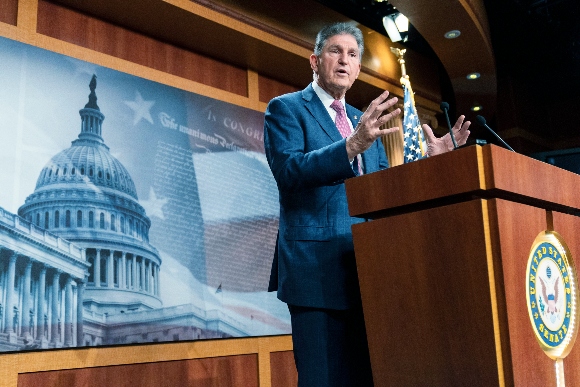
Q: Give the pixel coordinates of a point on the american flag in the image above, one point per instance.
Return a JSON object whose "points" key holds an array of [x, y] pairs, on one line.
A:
{"points": [[413, 143]]}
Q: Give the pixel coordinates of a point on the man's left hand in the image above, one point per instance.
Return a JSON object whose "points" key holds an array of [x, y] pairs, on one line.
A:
{"points": [[436, 146]]}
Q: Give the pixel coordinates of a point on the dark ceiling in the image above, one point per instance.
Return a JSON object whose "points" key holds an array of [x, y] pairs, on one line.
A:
{"points": [[538, 40], [536, 45]]}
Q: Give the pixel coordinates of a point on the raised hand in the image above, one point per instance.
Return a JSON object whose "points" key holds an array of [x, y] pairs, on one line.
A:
{"points": [[369, 126], [436, 146]]}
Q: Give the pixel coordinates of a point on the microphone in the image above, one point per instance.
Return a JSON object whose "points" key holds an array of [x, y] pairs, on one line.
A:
{"points": [[445, 107], [481, 121]]}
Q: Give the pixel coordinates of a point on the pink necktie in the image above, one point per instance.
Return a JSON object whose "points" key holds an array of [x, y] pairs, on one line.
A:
{"points": [[343, 127]]}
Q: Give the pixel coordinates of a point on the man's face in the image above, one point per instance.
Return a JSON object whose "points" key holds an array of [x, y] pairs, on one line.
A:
{"points": [[338, 65]]}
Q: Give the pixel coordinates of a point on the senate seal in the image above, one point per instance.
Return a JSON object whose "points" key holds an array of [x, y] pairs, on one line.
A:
{"points": [[551, 291]]}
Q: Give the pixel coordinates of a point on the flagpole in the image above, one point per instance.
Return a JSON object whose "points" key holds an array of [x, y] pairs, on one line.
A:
{"points": [[413, 139]]}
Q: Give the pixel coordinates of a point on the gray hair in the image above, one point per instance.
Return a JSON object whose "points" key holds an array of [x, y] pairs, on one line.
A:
{"points": [[339, 29]]}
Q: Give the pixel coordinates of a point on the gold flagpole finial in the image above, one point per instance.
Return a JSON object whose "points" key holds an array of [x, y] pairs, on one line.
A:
{"points": [[400, 54]]}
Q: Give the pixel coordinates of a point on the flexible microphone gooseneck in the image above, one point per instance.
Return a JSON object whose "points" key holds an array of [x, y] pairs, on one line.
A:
{"points": [[481, 121], [445, 107]]}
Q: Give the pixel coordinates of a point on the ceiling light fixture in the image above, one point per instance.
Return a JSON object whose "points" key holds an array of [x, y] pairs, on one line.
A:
{"points": [[391, 29], [452, 34], [476, 108], [473, 76], [402, 23], [396, 26]]}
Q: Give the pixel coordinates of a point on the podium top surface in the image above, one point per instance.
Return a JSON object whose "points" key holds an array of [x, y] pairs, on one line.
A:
{"points": [[463, 174]]}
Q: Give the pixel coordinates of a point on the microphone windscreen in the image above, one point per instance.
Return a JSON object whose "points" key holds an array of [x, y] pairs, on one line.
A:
{"points": [[444, 106], [480, 120]]}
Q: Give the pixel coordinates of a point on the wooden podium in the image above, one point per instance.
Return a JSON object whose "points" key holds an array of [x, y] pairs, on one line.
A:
{"points": [[442, 266]]}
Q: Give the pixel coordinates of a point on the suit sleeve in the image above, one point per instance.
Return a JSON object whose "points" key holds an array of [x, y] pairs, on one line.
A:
{"points": [[383, 160], [300, 159]]}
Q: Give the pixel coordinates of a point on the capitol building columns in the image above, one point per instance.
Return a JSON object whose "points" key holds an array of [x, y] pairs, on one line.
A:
{"points": [[97, 269], [68, 313], [142, 277], [41, 333], [10, 297], [27, 311], [157, 287], [79, 318], [123, 271], [149, 272], [134, 270], [55, 321], [41, 306], [110, 270], [37, 300]]}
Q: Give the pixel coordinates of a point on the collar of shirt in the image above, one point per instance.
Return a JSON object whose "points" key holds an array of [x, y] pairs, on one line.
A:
{"points": [[327, 100]]}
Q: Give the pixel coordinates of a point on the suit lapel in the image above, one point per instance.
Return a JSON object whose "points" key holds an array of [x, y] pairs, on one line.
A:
{"points": [[318, 111]]}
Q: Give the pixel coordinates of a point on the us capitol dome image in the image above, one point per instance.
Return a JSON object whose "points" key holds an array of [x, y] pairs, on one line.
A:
{"points": [[86, 196], [76, 265]]}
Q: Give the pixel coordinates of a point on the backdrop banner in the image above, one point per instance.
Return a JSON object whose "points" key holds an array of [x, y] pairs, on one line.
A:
{"points": [[130, 211]]}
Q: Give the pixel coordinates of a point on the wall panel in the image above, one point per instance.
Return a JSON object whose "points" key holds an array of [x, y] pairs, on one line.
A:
{"points": [[8, 11], [241, 370], [270, 88], [71, 26], [284, 372], [225, 362]]}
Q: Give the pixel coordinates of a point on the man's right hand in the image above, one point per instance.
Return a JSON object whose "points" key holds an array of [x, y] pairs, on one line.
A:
{"points": [[369, 129]]}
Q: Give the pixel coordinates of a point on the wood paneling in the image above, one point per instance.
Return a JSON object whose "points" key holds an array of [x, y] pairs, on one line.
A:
{"points": [[71, 26], [265, 49], [568, 226], [528, 180], [425, 290], [226, 371], [382, 189], [517, 227], [488, 171], [218, 362], [283, 369], [270, 88], [428, 268], [8, 11]]}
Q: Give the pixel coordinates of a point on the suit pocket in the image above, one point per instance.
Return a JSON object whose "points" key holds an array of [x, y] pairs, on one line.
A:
{"points": [[308, 233]]}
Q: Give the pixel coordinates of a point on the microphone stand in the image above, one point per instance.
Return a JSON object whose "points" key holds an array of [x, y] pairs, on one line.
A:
{"points": [[481, 121], [445, 107]]}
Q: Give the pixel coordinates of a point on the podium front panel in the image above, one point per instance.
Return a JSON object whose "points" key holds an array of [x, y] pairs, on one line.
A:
{"points": [[425, 287], [569, 227], [514, 227]]}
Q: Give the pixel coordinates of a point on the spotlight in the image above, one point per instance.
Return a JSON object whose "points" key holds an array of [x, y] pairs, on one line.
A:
{"points": [[473, 76], [396, 24], [391, 29], [402, 23]]}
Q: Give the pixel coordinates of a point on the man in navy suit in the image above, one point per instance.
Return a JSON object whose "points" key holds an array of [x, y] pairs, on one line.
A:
{"points": [[314, 269]]}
